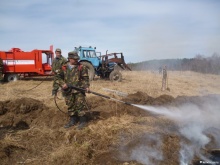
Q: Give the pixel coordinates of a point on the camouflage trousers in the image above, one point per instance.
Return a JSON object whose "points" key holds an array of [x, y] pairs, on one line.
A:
{"points": [[55, 84], [76, 104]]}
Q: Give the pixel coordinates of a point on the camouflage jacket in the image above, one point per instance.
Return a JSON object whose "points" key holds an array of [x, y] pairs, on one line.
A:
{"points": [[76, 75], [57, 65]]}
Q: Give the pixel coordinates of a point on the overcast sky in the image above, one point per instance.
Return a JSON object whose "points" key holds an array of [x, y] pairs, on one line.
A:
{"points": [[141, 29]]}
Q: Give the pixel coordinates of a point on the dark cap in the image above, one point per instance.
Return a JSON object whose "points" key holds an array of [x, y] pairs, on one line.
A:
{"points": [[58, 50], [73, 55]]}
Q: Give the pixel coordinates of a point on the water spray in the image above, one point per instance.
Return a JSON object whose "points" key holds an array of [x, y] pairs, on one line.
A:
{"points": [[193, 120], [98, 94]]}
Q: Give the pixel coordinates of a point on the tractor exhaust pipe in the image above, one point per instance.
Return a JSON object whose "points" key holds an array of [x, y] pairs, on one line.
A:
{"points": [[98, 94]]}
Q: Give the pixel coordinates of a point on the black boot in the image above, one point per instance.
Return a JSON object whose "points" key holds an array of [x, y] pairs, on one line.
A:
{"points": [[72, 122], [82, 122]]}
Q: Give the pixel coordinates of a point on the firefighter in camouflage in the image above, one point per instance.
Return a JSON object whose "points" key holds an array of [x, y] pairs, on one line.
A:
{"points": [[76, 75], [57, 64]]}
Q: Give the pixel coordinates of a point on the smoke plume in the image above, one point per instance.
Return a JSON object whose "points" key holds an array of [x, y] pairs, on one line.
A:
{"points": [[146, 152], [196, 122]]}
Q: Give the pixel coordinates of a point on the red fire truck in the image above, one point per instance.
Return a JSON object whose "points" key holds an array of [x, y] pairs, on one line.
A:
{"points": [[20, 63]]}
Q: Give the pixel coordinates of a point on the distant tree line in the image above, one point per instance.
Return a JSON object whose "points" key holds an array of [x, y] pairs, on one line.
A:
{"points": [[199, 63]]}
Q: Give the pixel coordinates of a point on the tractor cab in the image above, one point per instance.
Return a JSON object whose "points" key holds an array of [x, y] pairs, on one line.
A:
{"points": [[88, 54]]}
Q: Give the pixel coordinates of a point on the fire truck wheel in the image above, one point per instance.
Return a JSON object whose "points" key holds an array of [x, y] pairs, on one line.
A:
{"points": [[115, 76], [11, 77], [91, 70]]}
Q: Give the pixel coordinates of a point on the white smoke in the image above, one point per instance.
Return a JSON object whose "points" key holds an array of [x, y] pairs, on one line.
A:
{"points": [[186, 154], [143, 152], [193, 121]]}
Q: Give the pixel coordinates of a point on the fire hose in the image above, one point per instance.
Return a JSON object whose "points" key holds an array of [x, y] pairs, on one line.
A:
{"points": [[37, 84], [98, 94], [94, 93]]}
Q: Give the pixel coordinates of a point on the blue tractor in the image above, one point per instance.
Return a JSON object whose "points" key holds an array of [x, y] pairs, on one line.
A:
{"points": [[106, 66]]}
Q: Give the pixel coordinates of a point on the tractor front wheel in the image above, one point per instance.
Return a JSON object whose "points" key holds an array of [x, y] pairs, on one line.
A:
{"points": [[11, 77], [91, 70], [115, 76]]}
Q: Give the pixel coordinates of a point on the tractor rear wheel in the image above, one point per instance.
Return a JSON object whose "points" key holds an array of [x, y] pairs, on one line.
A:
{"points": [[91, 70], [115, 76], [11, 77]]}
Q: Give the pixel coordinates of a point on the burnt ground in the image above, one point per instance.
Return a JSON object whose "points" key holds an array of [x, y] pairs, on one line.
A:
{"points": [[32, 133]]}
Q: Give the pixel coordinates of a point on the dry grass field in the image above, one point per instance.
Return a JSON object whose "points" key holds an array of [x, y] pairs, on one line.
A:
{"points": [[180, 84], [31, 127]]}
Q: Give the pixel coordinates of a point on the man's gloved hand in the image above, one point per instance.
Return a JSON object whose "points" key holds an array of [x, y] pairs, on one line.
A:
{"points": [[87, 90], [65, 86]]}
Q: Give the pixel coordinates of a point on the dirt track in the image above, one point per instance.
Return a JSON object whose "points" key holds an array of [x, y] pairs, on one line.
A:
{"points": [[31, 130]]}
